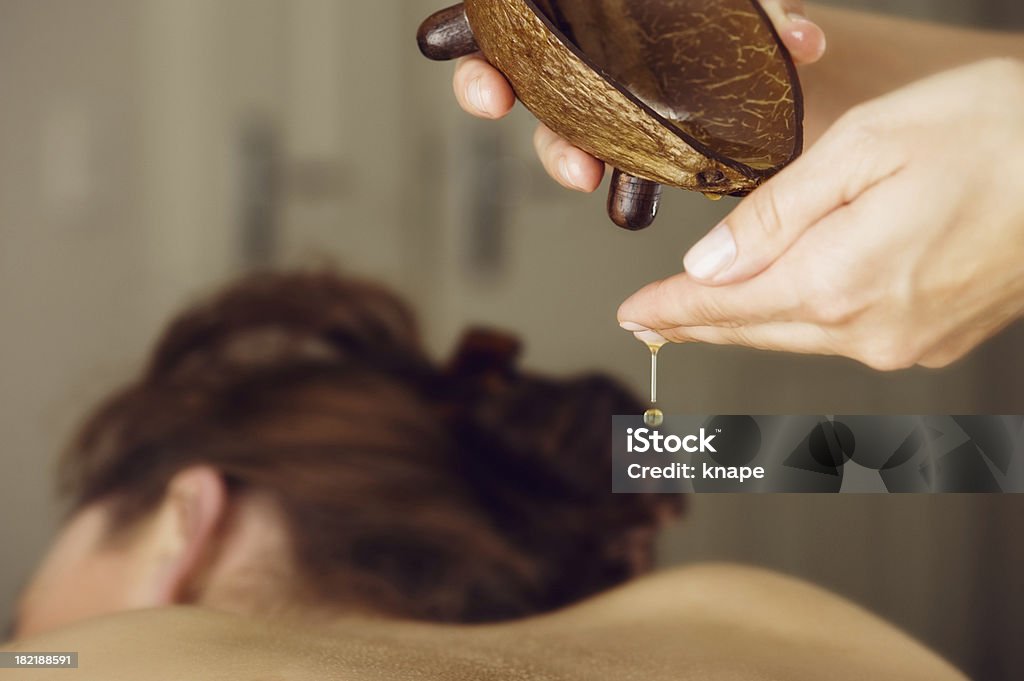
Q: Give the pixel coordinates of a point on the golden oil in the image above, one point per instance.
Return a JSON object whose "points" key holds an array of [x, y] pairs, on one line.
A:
{"points": [[654, 417]]}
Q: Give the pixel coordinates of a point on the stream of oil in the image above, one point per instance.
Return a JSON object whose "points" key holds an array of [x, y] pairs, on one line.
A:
{"points": [[653, 417]]}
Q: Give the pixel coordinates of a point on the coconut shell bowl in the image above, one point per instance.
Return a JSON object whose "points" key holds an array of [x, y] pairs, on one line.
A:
{"points": [[696, 94]]}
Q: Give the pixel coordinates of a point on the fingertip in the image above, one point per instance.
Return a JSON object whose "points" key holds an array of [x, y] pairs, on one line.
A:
{"points": [[504, 98], [496, 94], [627, 317], [650, 338], [571, 167], [481, 90], [633, 313], [581, 171], [804, 39]]}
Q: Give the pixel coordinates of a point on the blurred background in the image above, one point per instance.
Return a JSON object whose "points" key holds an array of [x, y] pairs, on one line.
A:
{"points": [[150, 149]]}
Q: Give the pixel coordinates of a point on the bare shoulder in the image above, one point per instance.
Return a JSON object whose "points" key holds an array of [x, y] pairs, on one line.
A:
{"points": [[730, 611]]}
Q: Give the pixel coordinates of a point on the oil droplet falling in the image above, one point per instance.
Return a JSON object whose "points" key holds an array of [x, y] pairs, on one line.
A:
{"points": [[712, 197], [653, 417]]}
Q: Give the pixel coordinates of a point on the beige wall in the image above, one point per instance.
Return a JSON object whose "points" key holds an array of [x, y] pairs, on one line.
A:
{"points": [[70, 77]]}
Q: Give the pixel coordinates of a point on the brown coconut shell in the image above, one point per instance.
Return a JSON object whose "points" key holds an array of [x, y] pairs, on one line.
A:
{"points": [[696, 94]]}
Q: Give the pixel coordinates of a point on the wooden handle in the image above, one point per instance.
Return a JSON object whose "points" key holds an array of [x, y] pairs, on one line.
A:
{"points": [[447, 35], [632, 201]]}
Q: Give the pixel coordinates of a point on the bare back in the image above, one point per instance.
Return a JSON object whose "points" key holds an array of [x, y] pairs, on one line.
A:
{"points": [[707, 623]]}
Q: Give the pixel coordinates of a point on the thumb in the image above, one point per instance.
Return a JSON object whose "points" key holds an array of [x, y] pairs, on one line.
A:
{"points": [[834, 172]]}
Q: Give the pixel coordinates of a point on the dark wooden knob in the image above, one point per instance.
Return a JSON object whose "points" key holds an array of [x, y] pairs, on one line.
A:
{"points": [[447, 35], [632, 201]]}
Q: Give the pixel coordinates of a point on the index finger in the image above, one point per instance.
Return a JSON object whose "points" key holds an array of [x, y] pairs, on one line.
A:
{"points": [[681, 301]]}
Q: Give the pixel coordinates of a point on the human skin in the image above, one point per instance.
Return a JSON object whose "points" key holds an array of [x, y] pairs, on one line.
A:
{"points": [[201, 588], [705, 623], [896, 240], [839, 254], [196, 547]]}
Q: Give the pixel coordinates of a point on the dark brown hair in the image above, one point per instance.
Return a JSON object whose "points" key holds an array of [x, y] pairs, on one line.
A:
{"points": [[469, 492]]}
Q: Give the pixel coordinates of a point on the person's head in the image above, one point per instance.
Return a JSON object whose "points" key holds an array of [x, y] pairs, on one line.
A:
{"points": [[290, 446]]}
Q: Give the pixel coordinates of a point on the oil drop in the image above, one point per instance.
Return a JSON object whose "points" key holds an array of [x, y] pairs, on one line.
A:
{"points": [[712, 197], [653, 417]]}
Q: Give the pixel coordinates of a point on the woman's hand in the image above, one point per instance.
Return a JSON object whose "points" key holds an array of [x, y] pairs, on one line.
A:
{"points": [[898, 239], [482, 91]]}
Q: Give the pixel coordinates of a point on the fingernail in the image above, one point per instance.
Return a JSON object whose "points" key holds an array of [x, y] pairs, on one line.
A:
{"points": [[650, 338], [712, 255], [478, 97], [633, 327], [801, 27], [571, 172]]}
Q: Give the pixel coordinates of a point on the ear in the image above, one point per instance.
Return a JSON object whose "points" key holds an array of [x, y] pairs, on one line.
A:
{"points": [[183, 538]]}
